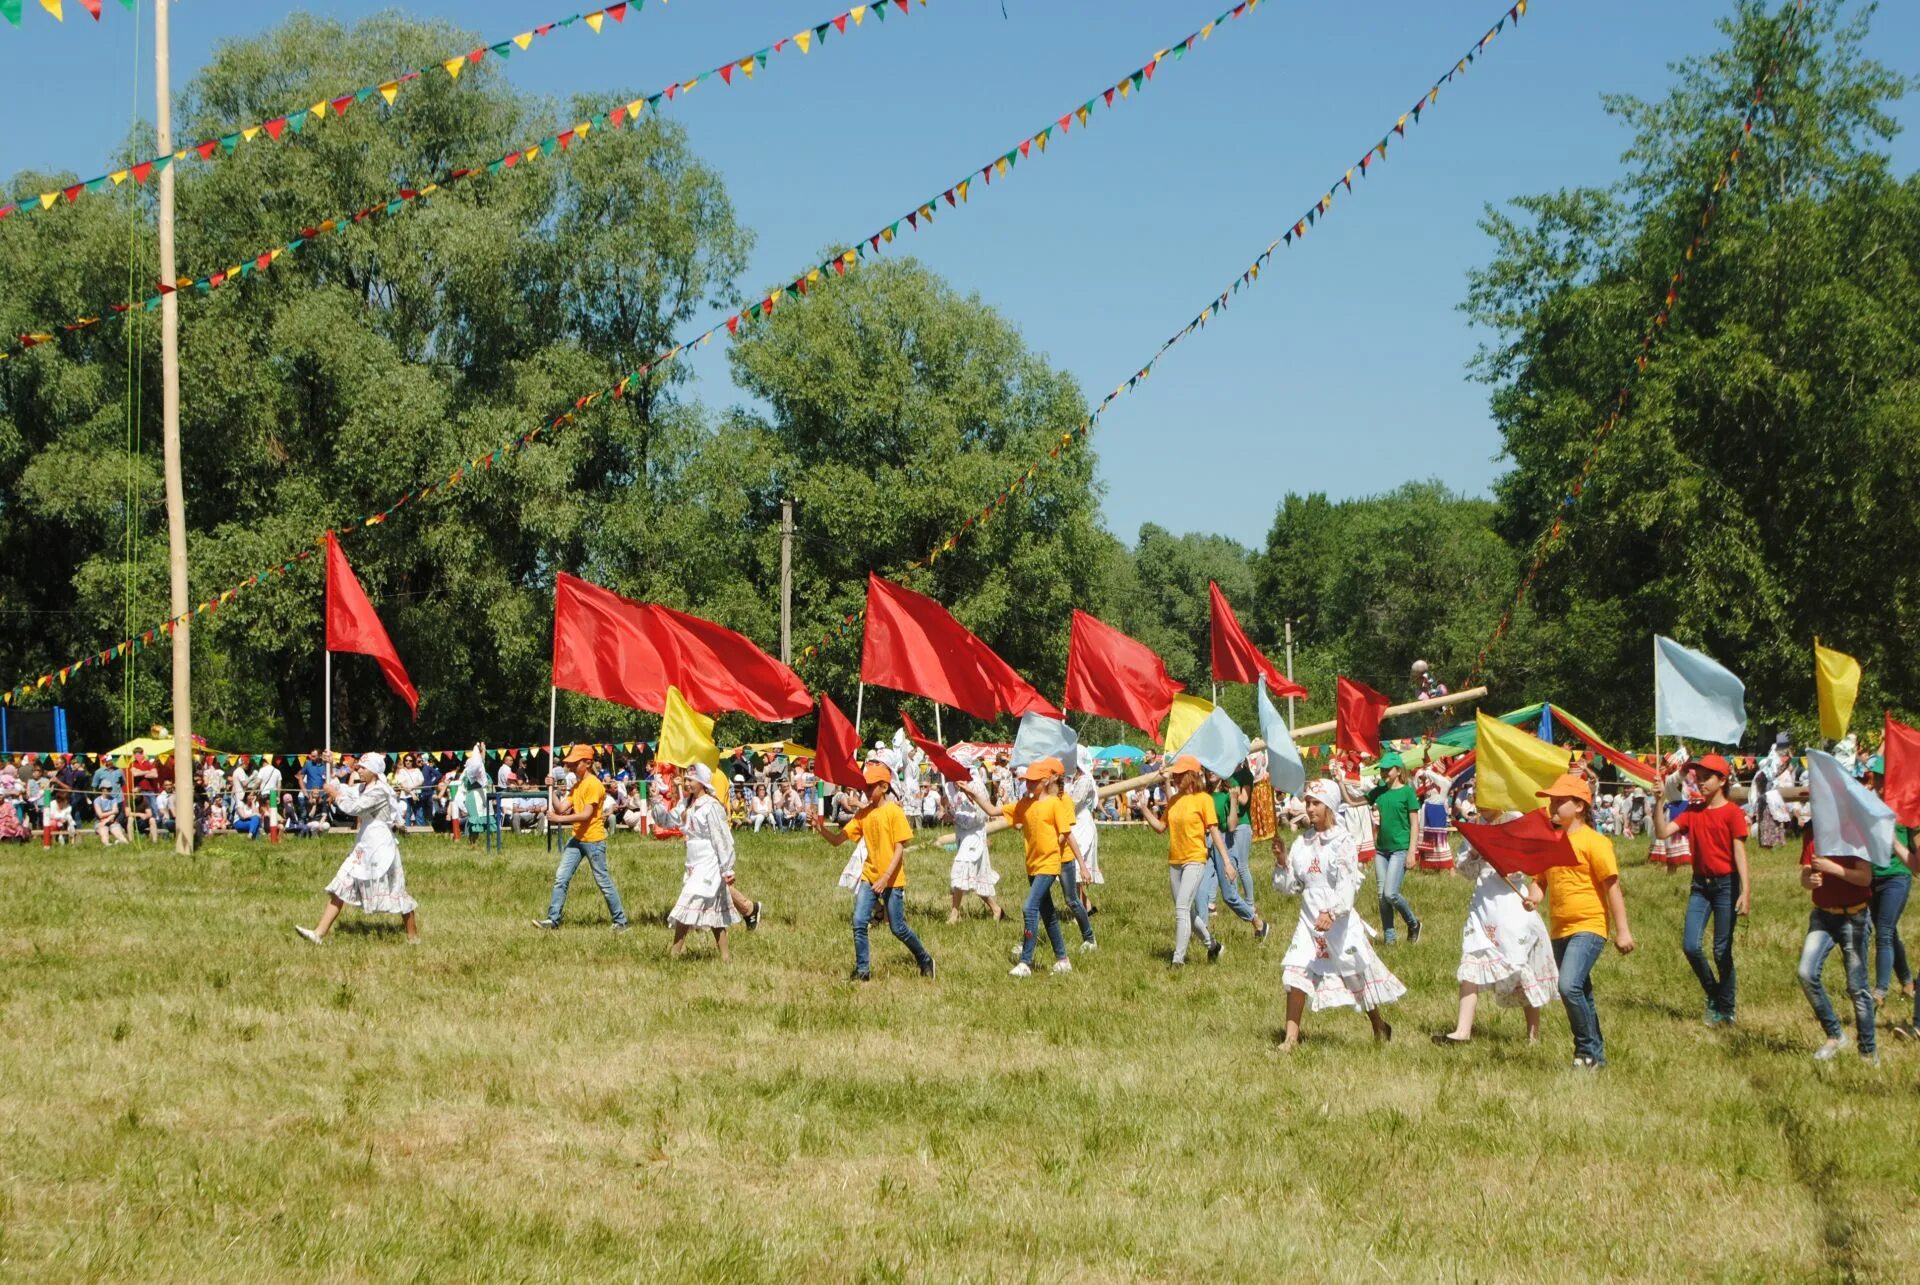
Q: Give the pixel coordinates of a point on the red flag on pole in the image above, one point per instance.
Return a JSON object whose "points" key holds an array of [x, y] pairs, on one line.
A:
{"points": [[1527, 846], [947, 765], [1236, 659], [1116, 676], [1357, 710], [354, 626], [1900, 787], [914, 645], [835, 747], [717, 669]]}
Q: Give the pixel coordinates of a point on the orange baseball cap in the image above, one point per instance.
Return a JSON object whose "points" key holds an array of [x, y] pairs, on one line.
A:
{"points": [[1184, 764], [1043, 769], [876, 772], [1571, 785]]}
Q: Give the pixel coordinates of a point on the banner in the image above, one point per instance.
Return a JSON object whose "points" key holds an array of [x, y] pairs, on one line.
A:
{"points": [[1357, 711], [1116, 677], [839, 742], [1218, 743], [293, 123], [1528, 845], [1849, 820], [943, 762], [10, 9], [1900, 781], [1622, 399], [1284, 768], [1836, 678], [1235, 658], [914, 645], [354, 626], [1513, 766], [1695, 695]]}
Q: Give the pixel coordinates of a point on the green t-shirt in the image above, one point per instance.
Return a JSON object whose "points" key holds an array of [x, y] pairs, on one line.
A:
{"points": [[1901, 835], [1397, 805], [1223, 806]]}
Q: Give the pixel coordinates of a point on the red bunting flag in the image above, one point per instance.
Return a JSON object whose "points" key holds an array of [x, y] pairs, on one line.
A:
{"points": [[835, 745], [1357, 710], [1115, 676], [946, 764], [1900, 787], [1527, 846], [354, 626], [914, 645], [1236, 659]]}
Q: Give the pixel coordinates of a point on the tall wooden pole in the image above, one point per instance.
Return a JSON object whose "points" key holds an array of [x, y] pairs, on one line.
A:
{"points": [[786, 582], [181, 608]]}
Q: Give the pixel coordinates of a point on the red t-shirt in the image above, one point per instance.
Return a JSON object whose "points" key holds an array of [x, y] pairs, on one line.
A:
{"points": [[1710, 833], [1835, 893]]}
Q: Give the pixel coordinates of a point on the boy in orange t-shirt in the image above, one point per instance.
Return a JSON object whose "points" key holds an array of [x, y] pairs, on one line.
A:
{"points": [[1584, 901], [883, 879]]}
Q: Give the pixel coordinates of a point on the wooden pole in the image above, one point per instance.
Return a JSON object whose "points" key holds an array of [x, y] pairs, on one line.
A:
{"points": [[786, 582], [181, 609], [1153, 778]]}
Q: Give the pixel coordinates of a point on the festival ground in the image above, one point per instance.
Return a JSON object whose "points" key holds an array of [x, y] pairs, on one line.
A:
{"points": [[189, 1091]]}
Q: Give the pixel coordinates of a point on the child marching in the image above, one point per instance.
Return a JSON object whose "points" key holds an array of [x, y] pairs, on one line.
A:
{"points": [[1503, 948], [884, 828], [1841, 888], [1586, 906], [1715, 834], [706, 898], [371, 877], [1191, 823], [1045, 818], [973, 871]]}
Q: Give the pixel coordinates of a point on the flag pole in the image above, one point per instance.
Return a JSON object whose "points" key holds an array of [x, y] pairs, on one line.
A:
{"points": [[1659, 762], [938, 735], [327, 719], [553, 711], [859, 703]]}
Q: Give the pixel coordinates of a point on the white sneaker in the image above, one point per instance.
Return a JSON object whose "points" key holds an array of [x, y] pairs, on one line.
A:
{"points": [[1831, 1049], [1063, 965], [1020, 970], [310, 935], [1013, 953], [1087, 947]]}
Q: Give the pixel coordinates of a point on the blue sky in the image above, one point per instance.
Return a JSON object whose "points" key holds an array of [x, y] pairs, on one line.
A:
{"points": [[1344, 371]]}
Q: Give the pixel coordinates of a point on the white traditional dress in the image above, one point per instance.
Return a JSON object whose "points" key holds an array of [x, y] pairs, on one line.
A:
{"points": [[1504, 946], [972, 864], [1337, 968], [1084, 791], [371, 877], [704, 902]]}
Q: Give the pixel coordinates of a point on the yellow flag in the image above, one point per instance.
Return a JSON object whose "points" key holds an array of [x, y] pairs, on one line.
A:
{"points": [[1837, 676], [1511, 766], [686, 738], [1185, 719], [53, 7]]}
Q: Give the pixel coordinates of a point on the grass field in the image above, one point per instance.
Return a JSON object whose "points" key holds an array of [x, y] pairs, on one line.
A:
{"points": [[189, 1091]]}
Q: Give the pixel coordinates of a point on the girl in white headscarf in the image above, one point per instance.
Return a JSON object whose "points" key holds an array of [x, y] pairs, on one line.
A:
{"points": [[973, 870], [705, 901], [1331, 961], [1084, 791], [370, 877]]}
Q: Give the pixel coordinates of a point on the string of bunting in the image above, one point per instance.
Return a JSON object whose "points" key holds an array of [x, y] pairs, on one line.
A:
{"points": [[295, 758], [10, 9], [616, 116], [294, 123], [839, 264], [1309, 219], [1550, 539]]}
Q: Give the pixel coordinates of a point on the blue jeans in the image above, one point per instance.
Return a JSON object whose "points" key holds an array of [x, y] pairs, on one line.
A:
{"points": [[595, 854], [1070, 887], [249, 826], [1576, 956], [864, 900], [1889, 952], [1712, 896], [1039, 908], [1390, 868], [1241, 850], [1825, 930], [1216, 879]]}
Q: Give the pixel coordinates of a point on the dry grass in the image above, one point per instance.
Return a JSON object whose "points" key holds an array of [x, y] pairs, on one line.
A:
{"points": [[188, 1091]]}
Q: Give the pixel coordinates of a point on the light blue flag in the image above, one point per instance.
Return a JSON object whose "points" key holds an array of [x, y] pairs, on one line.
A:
{"points": [[1695, 695], [1220, 746], [1042, 737], [1284, 768], [1849, 820]]}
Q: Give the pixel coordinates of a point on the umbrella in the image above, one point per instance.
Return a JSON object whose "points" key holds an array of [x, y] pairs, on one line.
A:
{"points": [[1528, 846], [151, 746], [1119, 754]]}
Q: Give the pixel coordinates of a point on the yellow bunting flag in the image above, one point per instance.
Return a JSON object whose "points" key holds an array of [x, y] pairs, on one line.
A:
{"points": [[1837, 676], [1184, 720], [686, 738], [53, 7], [803, 39], [454, 66], [390, 91], [1512, 767], [595, 19]]}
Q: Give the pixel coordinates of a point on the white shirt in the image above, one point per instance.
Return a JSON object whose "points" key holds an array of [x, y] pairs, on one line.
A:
{"points": [[267, 778]]}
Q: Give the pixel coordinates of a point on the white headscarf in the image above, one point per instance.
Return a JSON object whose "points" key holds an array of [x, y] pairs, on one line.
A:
{"points": [[1325, 791], [374, 763]]}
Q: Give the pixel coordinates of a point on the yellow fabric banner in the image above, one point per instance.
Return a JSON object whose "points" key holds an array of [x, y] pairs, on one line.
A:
{"points": [[1837, 677], [1511, 767]]}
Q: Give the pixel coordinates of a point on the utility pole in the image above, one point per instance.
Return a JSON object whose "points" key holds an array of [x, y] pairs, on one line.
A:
{"points": [[1289, 671], [181, 609], [786, 582]]}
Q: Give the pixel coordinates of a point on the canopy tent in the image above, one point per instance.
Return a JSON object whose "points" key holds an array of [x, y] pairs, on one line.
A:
{"points": [[154, 747], [1464, 737]]}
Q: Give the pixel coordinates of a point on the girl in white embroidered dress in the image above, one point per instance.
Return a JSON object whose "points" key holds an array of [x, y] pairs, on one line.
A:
{"points": [[705, 901], [973, 870], [371, 877], [1504, 947], [1331, 961]]}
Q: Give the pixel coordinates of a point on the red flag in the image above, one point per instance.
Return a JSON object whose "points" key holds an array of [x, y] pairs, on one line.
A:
{"points": [[601, 647], [835, 746], [1527, 846], [1115, 676], [913, 645], [1236, 659], [354, 626], [620, 650], [1357, 710], [949, 766], [717, 669], [1900, 786]]}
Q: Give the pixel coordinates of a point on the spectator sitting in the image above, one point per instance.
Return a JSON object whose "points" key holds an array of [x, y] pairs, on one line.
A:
{"points": [[248, 819], [759, 808], [216, 817], [160, 816], [57, 817], [106, 813]]}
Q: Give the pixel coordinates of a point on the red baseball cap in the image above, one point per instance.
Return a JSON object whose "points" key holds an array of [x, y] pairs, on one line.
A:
{"points": [[1714, 763]]}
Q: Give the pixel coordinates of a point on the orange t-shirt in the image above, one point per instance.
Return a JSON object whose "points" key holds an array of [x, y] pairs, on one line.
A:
{"points": [[881, 825]]}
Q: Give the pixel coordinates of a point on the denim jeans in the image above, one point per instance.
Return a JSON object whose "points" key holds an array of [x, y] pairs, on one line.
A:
{"points": [[1229, 890], [1576, 956], [1889, 952], [1241, 849], [1712, 896], [1039, 908], [864, 900], [1390, 868], [249, 826], [595, 854], [1825, 930], [1185, 882], [1070, 887]]}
